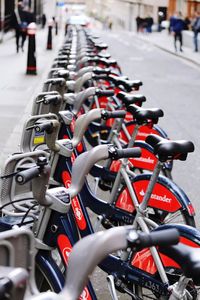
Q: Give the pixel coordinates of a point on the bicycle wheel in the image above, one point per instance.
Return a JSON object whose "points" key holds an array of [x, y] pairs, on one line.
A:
{"points": [[42, 281], [168, 203], [48, 275]]}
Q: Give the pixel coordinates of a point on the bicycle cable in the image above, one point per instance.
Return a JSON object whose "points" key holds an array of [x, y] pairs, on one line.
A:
{"points": [[26, 214]]}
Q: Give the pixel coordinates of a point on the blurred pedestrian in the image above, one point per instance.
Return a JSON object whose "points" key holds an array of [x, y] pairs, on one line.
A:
{"points": [[177, 26], [187, 23], [44, 20], [138, 23], [141, 24], [196, 30], [19, 22], [110, 24], [149, 23], [160, 19]]}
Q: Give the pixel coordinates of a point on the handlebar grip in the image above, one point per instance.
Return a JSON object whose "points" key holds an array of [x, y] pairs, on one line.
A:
{"points": [[47, 126], [115, 153], [129, 152], [55, 99], [107, 93], [26, 175], [5, 287], [158, 238], [113, 114], [55, 81]]}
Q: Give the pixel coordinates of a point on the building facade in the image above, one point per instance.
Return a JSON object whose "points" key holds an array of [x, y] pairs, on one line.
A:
{"points": [[123, 13], [187, 7]]}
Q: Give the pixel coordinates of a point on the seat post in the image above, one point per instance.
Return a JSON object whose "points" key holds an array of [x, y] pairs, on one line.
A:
{"points": [[133, 136], [151, 185]]}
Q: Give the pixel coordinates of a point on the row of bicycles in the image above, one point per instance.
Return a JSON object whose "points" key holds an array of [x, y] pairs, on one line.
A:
{"points": [[93, 185]]}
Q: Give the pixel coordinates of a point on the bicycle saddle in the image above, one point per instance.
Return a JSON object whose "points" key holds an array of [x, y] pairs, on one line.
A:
{"points": [[142, 115], [187, 257], [128, 98], [167, 149], [104, 55], [100, 71], [127, 84], [101, 46], [106, 62]]}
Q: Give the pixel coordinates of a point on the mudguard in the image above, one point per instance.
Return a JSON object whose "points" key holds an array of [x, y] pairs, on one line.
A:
{"points": [[143, 132], [166, 196], [143, 259]]}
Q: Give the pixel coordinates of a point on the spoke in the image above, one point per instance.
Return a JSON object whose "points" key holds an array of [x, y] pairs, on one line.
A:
{"points": [[170, 218]]}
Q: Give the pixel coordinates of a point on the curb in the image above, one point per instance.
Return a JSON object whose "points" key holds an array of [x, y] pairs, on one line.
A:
{"points": [[170, 51]]}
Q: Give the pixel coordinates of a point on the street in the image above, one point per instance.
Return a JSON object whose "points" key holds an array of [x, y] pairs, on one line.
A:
{"points": [[172, 84]]}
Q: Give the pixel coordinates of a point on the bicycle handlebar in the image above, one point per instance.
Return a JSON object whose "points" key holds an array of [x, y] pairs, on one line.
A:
{"points": [[115, 153], [54, 99], [5, 287], [45, 126], [59, 81], [82, 165], [81, 264], [82, 123], [62, 74], [106, 93], [101, 244], [106, 114], [27, 175], [156, 238]]}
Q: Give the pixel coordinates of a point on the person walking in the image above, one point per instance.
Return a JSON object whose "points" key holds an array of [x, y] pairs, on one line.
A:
{"points": [[44, 20], [196, 30], [20, 22], [149, 24], [177, 26]]}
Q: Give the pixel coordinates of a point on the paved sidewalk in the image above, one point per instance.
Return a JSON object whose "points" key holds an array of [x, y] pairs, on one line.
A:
{"points": [[17, 90], [165, 42]]}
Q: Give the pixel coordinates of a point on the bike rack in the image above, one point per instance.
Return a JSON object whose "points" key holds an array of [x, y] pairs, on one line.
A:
{"points": [[17, 262], [11, 190]]}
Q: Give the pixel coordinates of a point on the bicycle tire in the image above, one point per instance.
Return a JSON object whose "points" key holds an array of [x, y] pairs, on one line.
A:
{"points": [[161, 216], [48, 275]]}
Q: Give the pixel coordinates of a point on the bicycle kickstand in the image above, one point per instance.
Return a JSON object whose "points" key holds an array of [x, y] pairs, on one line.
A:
{"points": [[111, 287]]}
